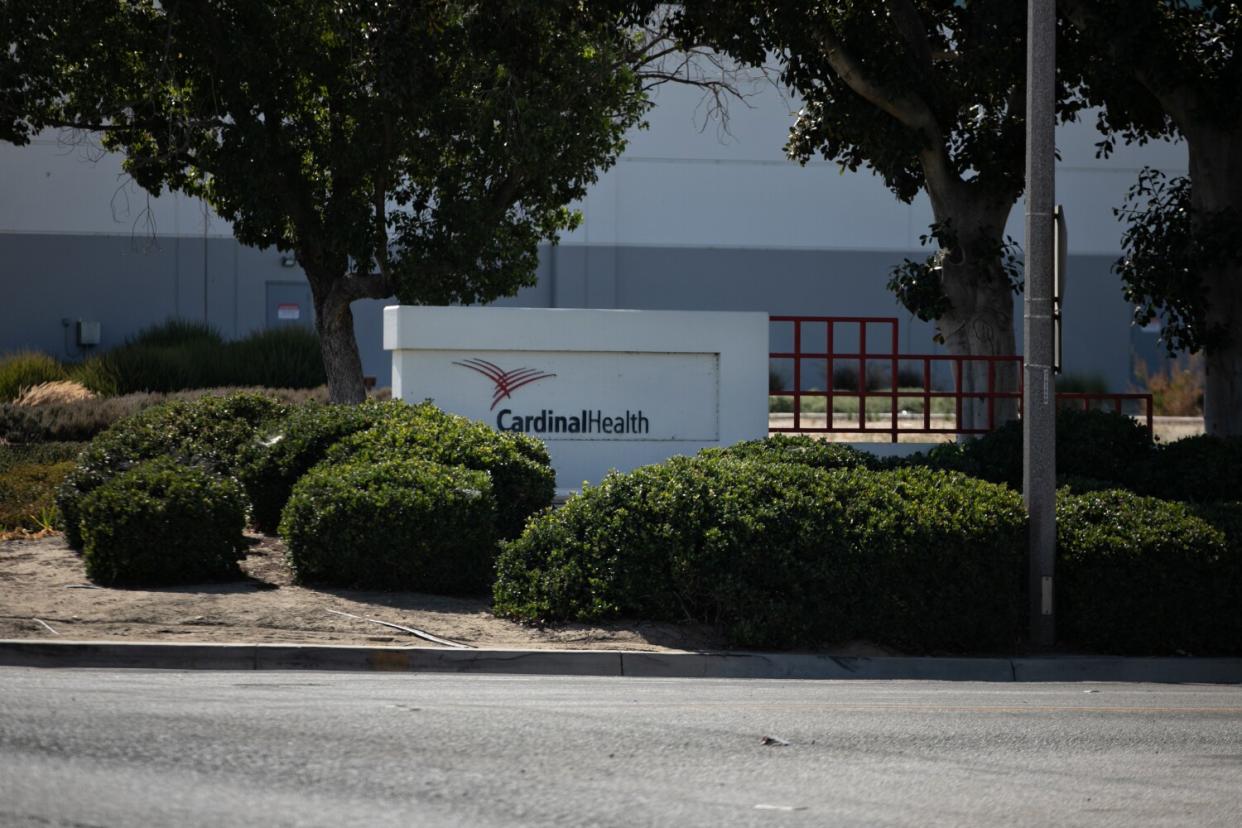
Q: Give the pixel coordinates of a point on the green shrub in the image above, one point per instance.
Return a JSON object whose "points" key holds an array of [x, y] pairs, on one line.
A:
{"points": [[395, 524], [1101, 445], [1100, 450], [943, 557], [290, 447], [28, 493], [98, 374], [138, 367], [610, 550], [29, 477], [208, 432], [1146, 576], [177, 356], [780, 554], [23, 369], [162, 522], [522, 478], [1227, 517], [171, 356], [1202, 468], [12, 454], [76, 421], [800, 449], [1075, 484], [86, 419], [287, 357], [1226, 590], [173, 333], [1098, 445]]}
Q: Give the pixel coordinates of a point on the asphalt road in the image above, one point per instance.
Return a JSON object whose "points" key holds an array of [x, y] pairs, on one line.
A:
{"points": [[130, 748]]}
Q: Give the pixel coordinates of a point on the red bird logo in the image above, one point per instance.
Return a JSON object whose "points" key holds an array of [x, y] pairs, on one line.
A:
{"points": [[506, 382]]}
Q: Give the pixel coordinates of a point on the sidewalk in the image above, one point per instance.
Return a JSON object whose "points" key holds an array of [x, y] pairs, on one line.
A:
{"points": [[80, 654]]}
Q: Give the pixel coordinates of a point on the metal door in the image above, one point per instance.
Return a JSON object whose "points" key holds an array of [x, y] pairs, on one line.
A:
{"points": [[289, 303]]}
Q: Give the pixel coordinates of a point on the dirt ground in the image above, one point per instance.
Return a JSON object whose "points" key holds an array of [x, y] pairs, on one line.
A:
{"points": [[43, 579]]}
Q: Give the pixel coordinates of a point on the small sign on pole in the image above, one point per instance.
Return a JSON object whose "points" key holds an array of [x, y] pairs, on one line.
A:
{"points": [[1058, 290]]}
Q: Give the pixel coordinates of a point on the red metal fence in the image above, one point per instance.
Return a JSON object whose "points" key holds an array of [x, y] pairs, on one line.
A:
{"points": [[982, 391]]}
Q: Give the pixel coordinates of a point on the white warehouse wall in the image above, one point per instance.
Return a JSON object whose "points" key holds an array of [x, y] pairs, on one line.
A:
{"points": [[691, 217], [680, 184]]}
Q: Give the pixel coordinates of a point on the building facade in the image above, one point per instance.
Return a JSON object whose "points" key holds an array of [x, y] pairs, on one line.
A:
{"points": [[692, 217]]}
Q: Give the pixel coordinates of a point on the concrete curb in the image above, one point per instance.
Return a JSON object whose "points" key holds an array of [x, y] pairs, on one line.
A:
{"points": [[74, 654]]}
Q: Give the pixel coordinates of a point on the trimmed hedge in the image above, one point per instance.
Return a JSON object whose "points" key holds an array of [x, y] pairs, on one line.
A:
{"points": [[521, 472], [1099, 450], [396, 524], [781, 555], [800, 449], [162, 522], [1227, 582], [289, 448], [1091, 445], [209, 432], [1202, 469], [1141, 575]]}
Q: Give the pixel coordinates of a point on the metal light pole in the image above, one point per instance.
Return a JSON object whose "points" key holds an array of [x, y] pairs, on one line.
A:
{"points": [[1039, 394]]}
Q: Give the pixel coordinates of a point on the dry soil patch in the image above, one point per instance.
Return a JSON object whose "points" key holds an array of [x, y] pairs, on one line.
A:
{"points": [[44, 579]]}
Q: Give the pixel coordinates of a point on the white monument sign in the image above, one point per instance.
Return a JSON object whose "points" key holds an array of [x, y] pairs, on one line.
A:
{"points": [[605, 389]]}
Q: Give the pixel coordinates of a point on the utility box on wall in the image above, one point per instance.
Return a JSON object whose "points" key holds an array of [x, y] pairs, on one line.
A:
{"points": [[89, 334], [605, 389]]}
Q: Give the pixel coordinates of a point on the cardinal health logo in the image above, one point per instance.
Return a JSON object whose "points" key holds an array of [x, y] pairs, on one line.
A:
{"points": [[506, 382]]}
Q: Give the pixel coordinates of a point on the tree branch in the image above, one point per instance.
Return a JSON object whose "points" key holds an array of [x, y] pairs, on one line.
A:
{"points": [[663, 57], [910, 110], [372, 286]]}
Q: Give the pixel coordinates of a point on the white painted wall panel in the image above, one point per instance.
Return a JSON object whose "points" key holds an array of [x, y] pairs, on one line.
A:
{"points": [[683, 182], [659, 202], [49, 186]]}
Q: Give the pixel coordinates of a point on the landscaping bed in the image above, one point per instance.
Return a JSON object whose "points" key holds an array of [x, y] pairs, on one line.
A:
{"points": [[43, 578], [395, 514]]}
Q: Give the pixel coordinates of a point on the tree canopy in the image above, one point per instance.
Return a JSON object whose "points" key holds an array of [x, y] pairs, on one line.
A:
{"points": [[929, 95], [416, 148], [1172, 69]]}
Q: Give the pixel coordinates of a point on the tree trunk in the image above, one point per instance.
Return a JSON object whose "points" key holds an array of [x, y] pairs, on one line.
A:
{"points": [[334, 321], [980, 321], [980, 324], [1215, 185]]}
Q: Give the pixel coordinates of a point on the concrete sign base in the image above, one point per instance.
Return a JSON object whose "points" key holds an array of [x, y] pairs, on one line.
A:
{"points": [[605, 389]]}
